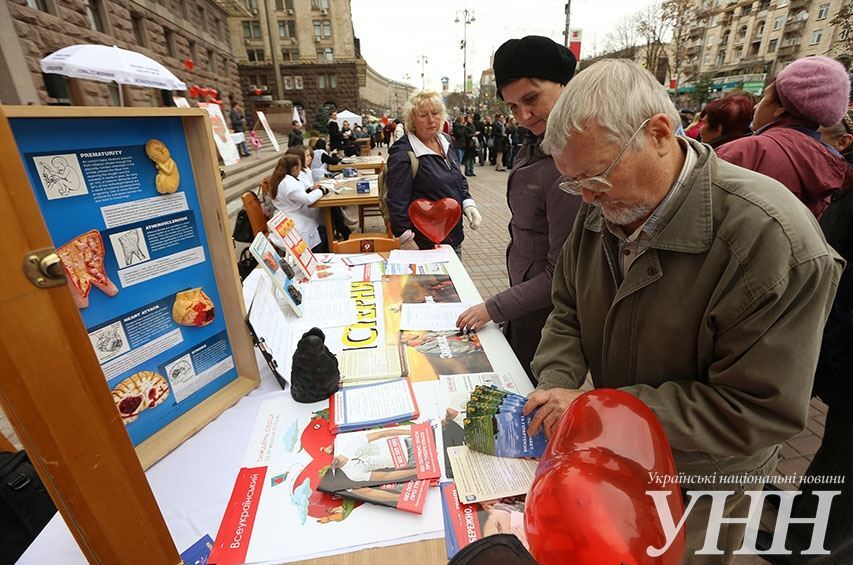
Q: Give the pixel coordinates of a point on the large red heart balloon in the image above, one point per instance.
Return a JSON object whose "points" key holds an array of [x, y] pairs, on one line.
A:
{"points": [[435, 219], [588, 503]]}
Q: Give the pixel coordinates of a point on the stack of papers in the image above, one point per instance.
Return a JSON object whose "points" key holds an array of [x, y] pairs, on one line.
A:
{"points": [[370, 406]]}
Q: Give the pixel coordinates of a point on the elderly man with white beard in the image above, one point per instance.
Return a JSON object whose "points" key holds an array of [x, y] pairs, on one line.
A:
{"points": [[696, 285]]}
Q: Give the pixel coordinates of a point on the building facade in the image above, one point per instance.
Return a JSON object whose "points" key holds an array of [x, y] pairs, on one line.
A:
{"points": [[754, 40], [306, 52], [190, 38]]}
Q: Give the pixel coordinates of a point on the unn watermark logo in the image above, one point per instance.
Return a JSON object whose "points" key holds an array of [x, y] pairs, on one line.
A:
{"points": [[752, 521]]}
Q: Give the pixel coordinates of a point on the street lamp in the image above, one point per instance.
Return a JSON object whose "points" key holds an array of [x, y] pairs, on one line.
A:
{"points": [[423, 61], [467, 18]]}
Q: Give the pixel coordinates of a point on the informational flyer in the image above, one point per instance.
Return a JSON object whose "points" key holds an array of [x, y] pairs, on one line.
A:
{"points": [[482, 477], [263, 118], [121, 204], [221, 134]]}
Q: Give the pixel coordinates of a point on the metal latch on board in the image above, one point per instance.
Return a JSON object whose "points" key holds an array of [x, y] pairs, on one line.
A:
{"points": [[43, 268]]}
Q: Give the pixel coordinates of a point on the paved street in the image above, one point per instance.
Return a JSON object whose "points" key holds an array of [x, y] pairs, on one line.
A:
{"points": [[483, 255]]}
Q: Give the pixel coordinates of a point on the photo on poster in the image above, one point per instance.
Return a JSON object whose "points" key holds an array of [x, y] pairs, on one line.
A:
{"points": [[181, 373], [109, 342], [129, 247], [61, 176]]}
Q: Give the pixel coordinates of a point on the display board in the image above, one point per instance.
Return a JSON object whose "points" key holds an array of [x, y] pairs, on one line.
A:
{"points": [[221, 133], [122, 203]]}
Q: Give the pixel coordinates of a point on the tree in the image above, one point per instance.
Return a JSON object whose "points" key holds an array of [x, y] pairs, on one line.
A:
{"points": [[651, 27], [624, 37], [702, 89], [457, 102], [679, 16], [321, 118], [843, 23]]}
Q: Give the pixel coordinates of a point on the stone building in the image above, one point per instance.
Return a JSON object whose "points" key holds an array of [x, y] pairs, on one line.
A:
{"points": [[305, 52], [169, 31]]}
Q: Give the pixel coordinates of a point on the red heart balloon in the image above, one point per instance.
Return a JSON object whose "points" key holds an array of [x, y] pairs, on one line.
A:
{"points": [[588, 503], [435, 219]]}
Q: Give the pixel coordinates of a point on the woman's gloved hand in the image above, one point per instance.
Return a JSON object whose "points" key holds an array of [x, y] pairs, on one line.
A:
{"points": [[407, 240], [473, 216]]}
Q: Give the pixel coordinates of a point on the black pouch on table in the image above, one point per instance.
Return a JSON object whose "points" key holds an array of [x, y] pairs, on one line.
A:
{"points": [[25, 505], [505, 549]]}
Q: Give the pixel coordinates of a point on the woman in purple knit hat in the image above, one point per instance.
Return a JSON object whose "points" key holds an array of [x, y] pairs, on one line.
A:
{"points": [[807, 94]]}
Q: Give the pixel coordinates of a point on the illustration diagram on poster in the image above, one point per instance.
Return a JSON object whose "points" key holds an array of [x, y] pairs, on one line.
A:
{"points": [[60, 176], [109, 342], [130, 247]]}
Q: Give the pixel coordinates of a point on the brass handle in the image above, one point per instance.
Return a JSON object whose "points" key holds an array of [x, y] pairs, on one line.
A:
{"points": [[43, 268]]}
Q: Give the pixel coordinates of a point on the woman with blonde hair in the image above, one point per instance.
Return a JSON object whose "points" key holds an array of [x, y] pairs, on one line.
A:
{"points": [[437, 175]]}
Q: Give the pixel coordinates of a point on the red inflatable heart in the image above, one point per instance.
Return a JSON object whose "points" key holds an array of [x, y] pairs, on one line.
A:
{"points": [[588, 503], [435, 219]]}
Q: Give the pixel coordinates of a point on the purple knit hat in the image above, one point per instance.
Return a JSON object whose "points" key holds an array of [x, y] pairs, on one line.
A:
{"points": [[815, 88]]}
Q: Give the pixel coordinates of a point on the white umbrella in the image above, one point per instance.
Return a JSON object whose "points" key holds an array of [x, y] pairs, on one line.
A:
{"points": [[110, 64]]}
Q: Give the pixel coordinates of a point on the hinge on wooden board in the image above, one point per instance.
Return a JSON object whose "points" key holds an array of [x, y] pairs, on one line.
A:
{"points": [[43, 268]]}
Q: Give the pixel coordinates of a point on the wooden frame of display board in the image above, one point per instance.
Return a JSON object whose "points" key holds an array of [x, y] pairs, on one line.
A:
{"points": [[52, 387]]}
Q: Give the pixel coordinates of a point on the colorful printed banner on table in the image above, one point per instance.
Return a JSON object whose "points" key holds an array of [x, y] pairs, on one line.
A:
{"points": [[276, 512]]}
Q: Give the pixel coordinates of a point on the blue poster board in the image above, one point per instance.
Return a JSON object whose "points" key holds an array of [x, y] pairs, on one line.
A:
{"points": [[120, 201]]}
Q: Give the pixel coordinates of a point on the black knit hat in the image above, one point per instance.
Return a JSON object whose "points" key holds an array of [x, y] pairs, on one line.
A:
{"points": [[533, 56]]}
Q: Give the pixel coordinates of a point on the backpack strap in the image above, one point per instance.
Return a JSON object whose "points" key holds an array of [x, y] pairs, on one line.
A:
{"points": [[415, 163]]}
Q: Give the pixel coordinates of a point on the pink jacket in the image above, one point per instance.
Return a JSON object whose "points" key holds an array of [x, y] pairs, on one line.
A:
{"points": [[794, 158]]}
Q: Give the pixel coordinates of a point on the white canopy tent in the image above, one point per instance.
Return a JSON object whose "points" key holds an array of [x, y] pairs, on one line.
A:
{"points": [[346, 115], [110, 64]]}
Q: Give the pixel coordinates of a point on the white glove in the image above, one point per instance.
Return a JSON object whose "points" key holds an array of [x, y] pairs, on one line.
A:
{"points": [[473, 216], [407, 240]]}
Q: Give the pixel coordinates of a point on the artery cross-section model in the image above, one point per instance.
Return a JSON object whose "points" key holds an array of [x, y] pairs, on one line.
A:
{"points": [[83, 261]]}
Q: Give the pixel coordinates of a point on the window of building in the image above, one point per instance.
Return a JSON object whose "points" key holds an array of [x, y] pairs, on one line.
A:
{"points": [[171, 49], [746, 9], [713, 20], [138, 24], [771, 47], [95, 14], [325, 54], [781, 3], [322, 28], [251, 29], [823, 12], [297, 82], [741, 33], [193, 51], [38, 5], [707, 58], [290, 54], [327, 81], [287, 29], [201, 18], [288, 83], [320, 4], [252, 5], [255, 54], [211, 60], [709, 41], [738, 54], [816, 36], [282, 5], [721, 57], [759, 29], [777, 22], [725, 38]]}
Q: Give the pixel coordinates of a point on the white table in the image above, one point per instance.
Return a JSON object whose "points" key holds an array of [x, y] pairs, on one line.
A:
{"points": [[194, 482]]}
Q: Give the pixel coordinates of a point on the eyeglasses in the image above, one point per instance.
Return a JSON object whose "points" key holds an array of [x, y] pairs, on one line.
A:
{"points": [[599, 182]]}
